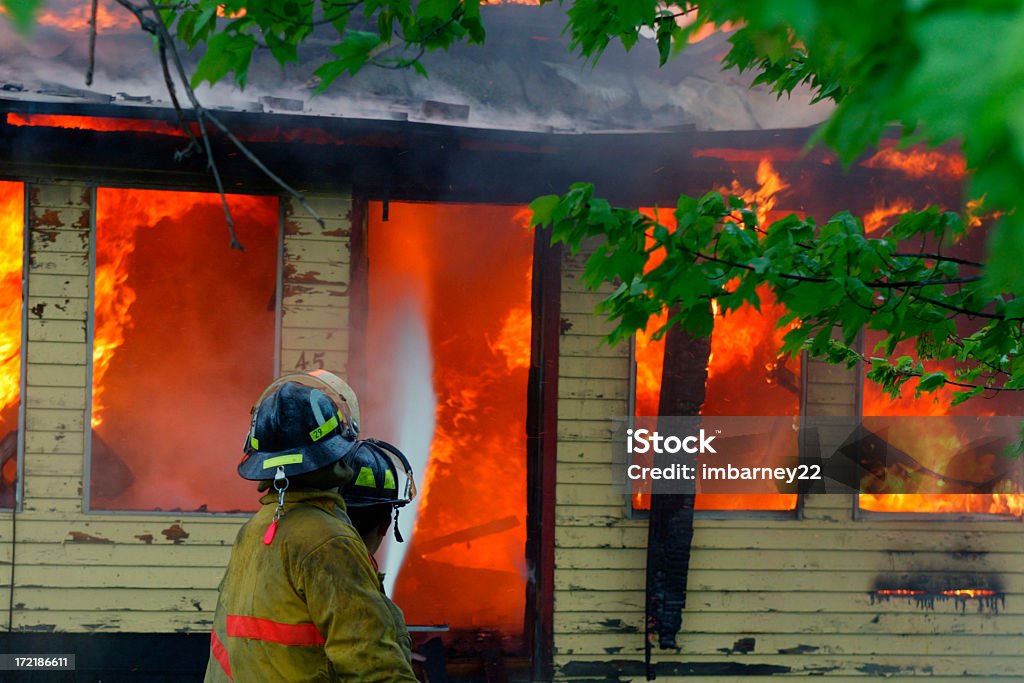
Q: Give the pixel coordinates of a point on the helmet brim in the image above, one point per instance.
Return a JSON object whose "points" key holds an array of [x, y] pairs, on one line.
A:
{"points": [[371, 502], [314, 456]]}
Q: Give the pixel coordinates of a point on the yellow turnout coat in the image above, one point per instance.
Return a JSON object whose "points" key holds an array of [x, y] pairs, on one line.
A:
{"points": [[308, 606]]}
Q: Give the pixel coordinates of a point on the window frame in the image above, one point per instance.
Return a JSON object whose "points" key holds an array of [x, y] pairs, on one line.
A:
{"points": [[90, 342], [632, 513]]}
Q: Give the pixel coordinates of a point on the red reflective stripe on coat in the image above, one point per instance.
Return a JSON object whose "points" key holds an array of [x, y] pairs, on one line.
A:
{"points": [[220, 654], [274, 631]]}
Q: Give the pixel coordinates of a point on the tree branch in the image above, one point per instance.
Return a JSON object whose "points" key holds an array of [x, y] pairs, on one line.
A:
{"points": [[92, 43], [158, 28]]}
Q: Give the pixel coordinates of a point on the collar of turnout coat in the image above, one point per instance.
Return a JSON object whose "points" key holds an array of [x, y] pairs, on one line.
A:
{"points": [[327, 500]]}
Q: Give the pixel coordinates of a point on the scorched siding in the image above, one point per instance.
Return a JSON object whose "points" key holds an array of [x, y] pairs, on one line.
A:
{"points": [[315, 285], [76, 571], [767, 597]]}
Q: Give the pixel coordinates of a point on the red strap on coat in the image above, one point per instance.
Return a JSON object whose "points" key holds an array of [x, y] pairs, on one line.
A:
{"points": [[274, 631], [220, 654]]}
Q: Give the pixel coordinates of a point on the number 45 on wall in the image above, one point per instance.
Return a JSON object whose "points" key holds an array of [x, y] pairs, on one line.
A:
{"points": [[317, 362]]}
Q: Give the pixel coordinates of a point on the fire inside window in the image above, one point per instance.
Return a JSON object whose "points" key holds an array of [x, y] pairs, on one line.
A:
{"points": [[745, 373], [940, 468], [447, 363], [183, 342], [746, 376], [944, 466], [12, 208]]}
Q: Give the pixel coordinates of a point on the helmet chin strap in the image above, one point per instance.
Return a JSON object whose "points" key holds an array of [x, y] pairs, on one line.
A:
{"points": [[398, 534]]}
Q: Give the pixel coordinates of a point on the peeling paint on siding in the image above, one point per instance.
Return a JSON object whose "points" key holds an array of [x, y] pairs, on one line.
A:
{"points": [[82, 537], [175, 533]]}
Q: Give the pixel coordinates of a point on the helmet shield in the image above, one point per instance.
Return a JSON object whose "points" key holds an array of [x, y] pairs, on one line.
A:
{"points": [[302, 422], [383, 476]]}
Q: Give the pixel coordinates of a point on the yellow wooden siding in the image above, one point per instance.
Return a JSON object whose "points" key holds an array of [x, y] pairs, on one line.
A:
{"points": [[315, 283], [127, 572], [800, 588]]}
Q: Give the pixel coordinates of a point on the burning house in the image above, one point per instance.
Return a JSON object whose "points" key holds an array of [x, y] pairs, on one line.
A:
{"points": [[134, 340]]}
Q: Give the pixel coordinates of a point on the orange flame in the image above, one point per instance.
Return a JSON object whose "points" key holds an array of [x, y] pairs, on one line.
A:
{"points": [[172, 303], [514, 340], [969, 593], [12, 226], [222, 11], [113, 297], [107, 124], [686, 14], [97, 123], [743, 348], [464, 564], [11, 250], [770, 184], [936, 447], [879, 217], [917, 162], [77, 18], [650, 356], [950, 593]]}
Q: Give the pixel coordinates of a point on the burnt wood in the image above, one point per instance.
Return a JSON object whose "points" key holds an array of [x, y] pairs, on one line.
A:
{"points": [[542, 446], [389, 159], [670, 526]]}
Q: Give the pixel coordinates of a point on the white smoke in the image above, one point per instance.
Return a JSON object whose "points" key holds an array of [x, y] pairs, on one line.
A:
{"points": [[412, 405]]}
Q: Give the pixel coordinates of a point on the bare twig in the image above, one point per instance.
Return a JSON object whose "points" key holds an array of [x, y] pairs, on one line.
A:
{"points": [[263, 167], [193, 144], [939, 257], [158, 28], [146, 24], [92, 43], [164, 36]]}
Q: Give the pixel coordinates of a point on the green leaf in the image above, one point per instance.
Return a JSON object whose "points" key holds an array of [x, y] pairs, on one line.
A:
{"points": [[353, 53], [22, 13], [1006, 248], [436, 9], [962, 396], [1015, 309], [225, 53], [760, 264], [201, 22], [930, 381]]}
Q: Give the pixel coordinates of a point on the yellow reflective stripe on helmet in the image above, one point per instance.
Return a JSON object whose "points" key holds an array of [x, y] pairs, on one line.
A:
{"points": [[389, 480], [287, 459], [366, 478], [254, 442], [325, 428]]}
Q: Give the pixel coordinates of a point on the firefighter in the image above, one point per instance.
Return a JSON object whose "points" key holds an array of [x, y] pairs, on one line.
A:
{"points": [[372, 497], [300, 600]]}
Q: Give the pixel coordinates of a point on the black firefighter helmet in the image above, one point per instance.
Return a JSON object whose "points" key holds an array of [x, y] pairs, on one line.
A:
{"points": [[301, 423], [383, 476]]}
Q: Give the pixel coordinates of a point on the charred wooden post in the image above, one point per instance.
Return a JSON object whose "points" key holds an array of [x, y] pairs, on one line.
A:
{"points": [[670, 531]]}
